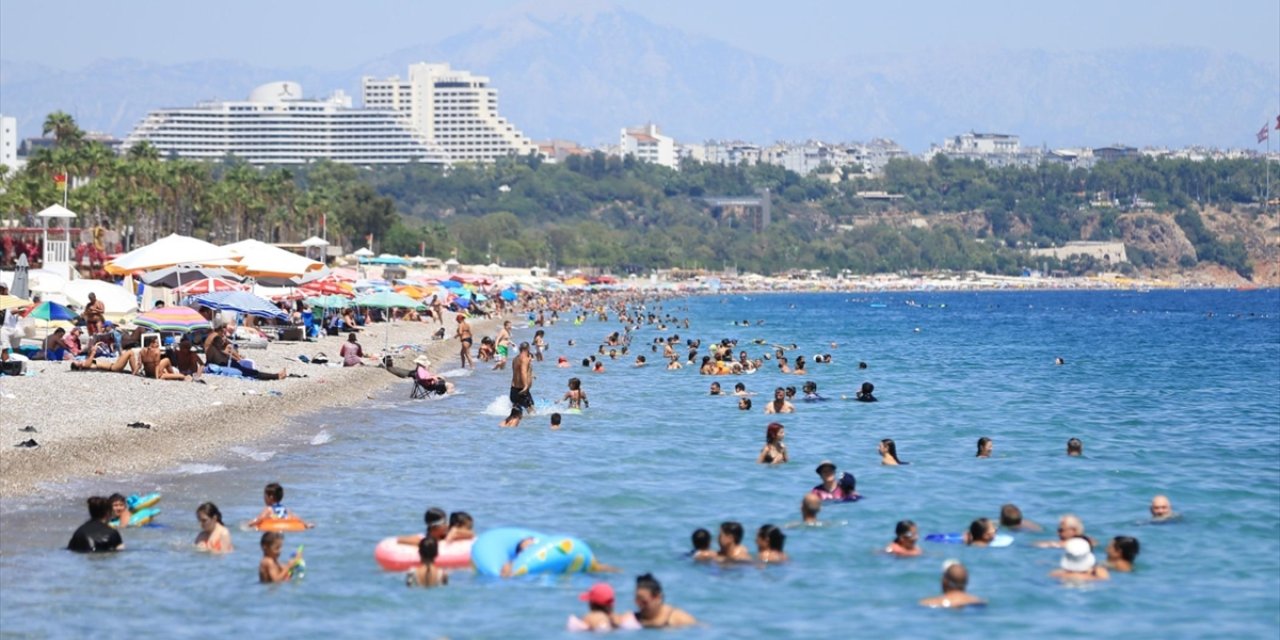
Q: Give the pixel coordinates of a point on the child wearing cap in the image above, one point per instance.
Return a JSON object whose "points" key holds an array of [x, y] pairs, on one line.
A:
{"points": [[600, 617]]}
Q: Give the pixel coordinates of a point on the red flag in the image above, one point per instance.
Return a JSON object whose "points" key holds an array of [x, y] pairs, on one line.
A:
{"points": [[59, 179], [1263, 134]]}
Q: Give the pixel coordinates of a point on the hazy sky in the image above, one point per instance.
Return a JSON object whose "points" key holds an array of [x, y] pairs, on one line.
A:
{"points": [[339, 34]]}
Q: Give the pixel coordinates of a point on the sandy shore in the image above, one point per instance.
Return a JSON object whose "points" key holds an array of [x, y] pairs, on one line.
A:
{"points": [[81, 418]]}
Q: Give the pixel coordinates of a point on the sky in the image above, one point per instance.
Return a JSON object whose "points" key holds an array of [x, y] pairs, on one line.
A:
{"points": [[331, 35]]}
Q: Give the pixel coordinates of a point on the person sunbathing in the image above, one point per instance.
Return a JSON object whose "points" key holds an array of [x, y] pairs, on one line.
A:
{"points": [[156, 365], [187, 361], [127, 358]]}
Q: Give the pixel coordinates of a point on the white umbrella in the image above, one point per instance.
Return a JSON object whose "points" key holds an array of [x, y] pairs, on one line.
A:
{"points": [[169, 251], [363, 252], [117, 300], [258, 258]]}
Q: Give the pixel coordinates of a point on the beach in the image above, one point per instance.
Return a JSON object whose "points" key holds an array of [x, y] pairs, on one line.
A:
{"points": [[81, 418]]}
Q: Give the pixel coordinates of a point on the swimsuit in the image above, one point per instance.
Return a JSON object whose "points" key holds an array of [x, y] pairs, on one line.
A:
{"points": [[278, 511]]}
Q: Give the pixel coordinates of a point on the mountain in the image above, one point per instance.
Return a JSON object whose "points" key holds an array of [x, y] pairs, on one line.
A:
{"points": [[583, 73]]}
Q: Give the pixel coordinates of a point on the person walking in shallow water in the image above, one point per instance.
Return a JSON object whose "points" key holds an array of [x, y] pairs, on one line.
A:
{"points": [[463, 333]]}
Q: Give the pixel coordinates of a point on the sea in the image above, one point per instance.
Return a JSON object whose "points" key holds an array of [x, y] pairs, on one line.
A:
{"points": [[1171, 392]]}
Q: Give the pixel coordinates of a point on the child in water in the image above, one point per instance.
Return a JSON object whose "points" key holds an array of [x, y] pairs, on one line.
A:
{"points": [[576, 397], [120, 510], [272, 496], [702, 547], [461, 526], [270, 569], [427, 574], [214, 536], [513, 418]]}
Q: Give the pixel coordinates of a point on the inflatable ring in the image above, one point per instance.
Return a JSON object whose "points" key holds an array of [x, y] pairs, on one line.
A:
{"points": [[137, 503], [1000, 540], [554, 554], [282, 524], [496, 547], [393, 556]]}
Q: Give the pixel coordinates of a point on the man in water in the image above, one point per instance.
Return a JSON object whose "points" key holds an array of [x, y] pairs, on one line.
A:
{"points": [[1162, 509], [96, 534], [779, 403], [810, 506], [955, 578], [522, 379], [1075, 448], [1069, 526], [1011, 518], [502, 345], [731, 549], [652, 611]]}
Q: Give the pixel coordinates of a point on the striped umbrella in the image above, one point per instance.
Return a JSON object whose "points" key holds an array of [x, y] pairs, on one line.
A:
{"points": [[242, 302], [178, 319], [208, 285]]}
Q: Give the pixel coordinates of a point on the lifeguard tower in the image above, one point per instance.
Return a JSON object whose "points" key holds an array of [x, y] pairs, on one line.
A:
{"points": [[57, 253]]}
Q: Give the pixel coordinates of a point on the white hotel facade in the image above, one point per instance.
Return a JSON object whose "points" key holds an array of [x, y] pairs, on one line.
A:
{"points": [[455, 110], [276, 125]]}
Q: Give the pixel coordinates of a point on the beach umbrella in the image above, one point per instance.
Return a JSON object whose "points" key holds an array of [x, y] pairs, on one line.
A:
{"points": [[508, 294], [179, 319], [207, 285], [117, 301], [169, 251], [241, 302], [462, 303], [363, 252], [180, 275], [258, 258], [20, 287], [413, 291], [49, 310], [387, 300], [329, 302], [322, 288], [13, 302]]}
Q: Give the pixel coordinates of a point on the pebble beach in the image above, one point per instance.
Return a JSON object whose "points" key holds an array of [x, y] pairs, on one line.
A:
{"points": [[81, 419]]}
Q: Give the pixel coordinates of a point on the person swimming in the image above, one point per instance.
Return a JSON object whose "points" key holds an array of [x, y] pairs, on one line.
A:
{"points": [[864, 393], [980, 534], [906, 535], [731, 549], [1075, 448], [984, 447], [702, 547], [775, 450], [1011, 518], [769, 543], [1162, 510], [955, 578], [1122, 551], [1078, 563], [889, 453]]}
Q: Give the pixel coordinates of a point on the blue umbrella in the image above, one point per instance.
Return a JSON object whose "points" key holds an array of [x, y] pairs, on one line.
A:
{"points": [[241, 302], [50, 311], [462, 303], [509, 295]]}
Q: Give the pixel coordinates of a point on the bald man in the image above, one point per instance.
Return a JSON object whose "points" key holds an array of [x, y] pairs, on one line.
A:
{"points": [[1162, 509], [955, 578], [1069, 526]]}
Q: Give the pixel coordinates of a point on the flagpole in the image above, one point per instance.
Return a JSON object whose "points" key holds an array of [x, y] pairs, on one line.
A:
{"points": [[68, 179]]}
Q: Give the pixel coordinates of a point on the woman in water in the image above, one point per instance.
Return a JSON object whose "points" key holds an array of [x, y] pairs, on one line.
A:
{"points": [[904, 542], [769, 543], [984, 447], [744, 404], [1121, 553], [774, 451], [214, 536], [576, 397], [427, 574], [889, 453]]}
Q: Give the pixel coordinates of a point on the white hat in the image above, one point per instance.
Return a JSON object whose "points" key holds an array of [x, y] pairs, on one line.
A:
{"points": [[422, 360], [1077, 555]]}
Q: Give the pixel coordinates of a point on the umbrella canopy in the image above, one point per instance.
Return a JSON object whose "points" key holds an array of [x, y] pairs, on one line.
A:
{"points": [[179, 319], [49, 310], [326, 289], [363, 252], [13, 302], [329, 302], [20, 286], [509, 295], [314, 241], [179, 275], [241, 302], [169, 251], [387, 300], [208, 285], [258, 258], [415, 292], [117, 301]]}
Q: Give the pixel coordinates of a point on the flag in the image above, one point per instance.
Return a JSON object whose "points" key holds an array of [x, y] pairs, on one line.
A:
{"points": [[60, 179], [1263, 134]]}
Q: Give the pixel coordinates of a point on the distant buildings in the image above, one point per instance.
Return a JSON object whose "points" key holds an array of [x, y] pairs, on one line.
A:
{"points": [[9, 142], [648, 144], [276, 125], [805, 158], [994, 149], [453, 109]]}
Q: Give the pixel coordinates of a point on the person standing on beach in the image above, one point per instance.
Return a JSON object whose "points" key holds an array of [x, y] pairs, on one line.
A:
{"points": [[437, 309], [463, 334], [522, 379], [94, 313]]}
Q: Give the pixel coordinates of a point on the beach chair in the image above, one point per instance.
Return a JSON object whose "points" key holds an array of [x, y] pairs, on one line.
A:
{"points": [[424, 383]]}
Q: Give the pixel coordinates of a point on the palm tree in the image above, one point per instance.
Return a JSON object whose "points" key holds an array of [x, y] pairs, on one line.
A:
{"points": [[64, 129]]}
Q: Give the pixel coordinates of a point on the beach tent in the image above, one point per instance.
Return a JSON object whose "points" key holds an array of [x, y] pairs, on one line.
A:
{"points": [[258, 258], [116, 300], [241, 302], [169, 251]]}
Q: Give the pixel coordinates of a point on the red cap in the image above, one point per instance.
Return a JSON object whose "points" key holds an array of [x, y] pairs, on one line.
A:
{"points": [[600, 594]]}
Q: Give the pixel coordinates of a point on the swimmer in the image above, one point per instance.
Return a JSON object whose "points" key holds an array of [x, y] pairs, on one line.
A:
{"points": [[674, 364], [769, 543], [640, 361], [652, 612], [740, 389], [562, 362], [214, 536], [1122, 551], [731, 549], [461, 527], [576, 397], [980, 534], [270, 569], [799, 369], [904, 542], [1011, 518], [864, 393], [120, 510], [744, 404], [715, 389], [831, 488], [272, 497], [1059, 361], [810, 507], [427, 574], [1078, 563], [702, 547], [555, 422], [811, 392], [1075, 448], [984, 447], [513, 418], [599, 368], [775, 450], [889, 453], [600, 617], [1162, 509], [437, 527], [955, 578], [95, 534], [1069, 527], [779, 403]]}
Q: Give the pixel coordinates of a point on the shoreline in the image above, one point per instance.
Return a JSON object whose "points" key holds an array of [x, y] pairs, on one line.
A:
{"points": [[81, 418]]}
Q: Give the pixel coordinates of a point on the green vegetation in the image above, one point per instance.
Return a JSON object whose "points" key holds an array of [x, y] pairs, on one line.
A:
{"points": [[629, 216]]}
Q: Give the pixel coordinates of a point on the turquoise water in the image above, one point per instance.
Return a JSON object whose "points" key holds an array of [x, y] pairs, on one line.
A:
{"points": [[1171, 392]]}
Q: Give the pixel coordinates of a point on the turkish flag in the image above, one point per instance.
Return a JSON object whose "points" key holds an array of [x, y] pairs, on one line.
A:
{"points": [[1263, 134]]}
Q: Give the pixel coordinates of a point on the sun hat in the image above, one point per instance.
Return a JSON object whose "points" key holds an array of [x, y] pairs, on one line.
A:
{"points": [[422, 360], [1077, 555], [825, 463], [600, 594]]}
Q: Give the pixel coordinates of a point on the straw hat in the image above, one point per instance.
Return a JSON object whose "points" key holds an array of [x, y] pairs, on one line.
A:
{"points": [[422, 360]]}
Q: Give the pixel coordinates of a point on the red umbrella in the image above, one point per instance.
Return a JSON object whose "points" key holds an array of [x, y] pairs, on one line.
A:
{"points": [[325, 288], [208, 285]]}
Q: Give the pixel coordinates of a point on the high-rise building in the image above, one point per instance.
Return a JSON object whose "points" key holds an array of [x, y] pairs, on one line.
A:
{"points": [[454, 109], [276, 125], [648, 144], [9, 142]]}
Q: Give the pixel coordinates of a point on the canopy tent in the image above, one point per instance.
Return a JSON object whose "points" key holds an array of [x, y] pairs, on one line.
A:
{"points": [[178, 319], [169, 251], [116, 300], [387, 300], [258, 258], [241, 302]]}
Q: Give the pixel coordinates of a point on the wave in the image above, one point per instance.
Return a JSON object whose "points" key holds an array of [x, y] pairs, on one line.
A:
{"points": [[197, 469], [253, 454], [324, 437]]}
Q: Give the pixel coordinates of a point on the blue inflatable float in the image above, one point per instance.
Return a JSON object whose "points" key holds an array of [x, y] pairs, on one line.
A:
{"points": [[547, 554]]}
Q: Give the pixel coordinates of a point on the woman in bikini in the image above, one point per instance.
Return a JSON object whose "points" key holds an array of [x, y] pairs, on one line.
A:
{"points": [[774, 451], [214, 536]]}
